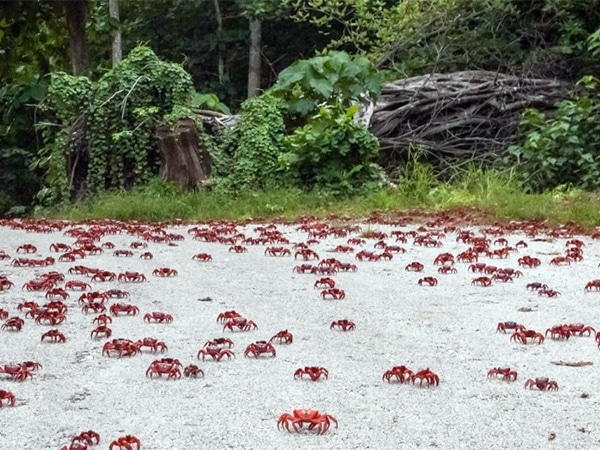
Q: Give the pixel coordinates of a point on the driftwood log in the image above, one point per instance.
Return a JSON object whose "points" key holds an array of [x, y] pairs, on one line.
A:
{"points": [[184, 160], [457, 116]]}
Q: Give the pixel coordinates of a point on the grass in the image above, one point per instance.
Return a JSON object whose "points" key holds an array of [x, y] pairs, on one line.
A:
{"points": [[496, 194]]}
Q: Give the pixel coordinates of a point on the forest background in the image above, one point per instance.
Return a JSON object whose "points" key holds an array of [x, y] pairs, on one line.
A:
{"points": [[86, 83]]}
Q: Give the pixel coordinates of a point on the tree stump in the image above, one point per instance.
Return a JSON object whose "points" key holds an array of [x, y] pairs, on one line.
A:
{"points": [[183, 159]]}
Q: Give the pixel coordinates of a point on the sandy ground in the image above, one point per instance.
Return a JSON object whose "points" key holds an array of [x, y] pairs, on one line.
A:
{"points": [[449, 328]]}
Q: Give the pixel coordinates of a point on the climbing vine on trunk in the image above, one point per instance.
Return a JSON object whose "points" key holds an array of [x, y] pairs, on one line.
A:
{"points": [[102, 135]]}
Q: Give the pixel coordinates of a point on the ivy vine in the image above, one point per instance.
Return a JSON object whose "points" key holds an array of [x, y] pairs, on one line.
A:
{"points": [[248, 155], [103, 135]]}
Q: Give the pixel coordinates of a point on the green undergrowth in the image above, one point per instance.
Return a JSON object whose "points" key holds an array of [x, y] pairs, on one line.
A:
{"points": [[496, 194]]}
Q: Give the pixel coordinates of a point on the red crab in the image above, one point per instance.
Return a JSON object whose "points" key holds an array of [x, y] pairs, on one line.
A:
{"points": [[346, 267], [26, 248], [561, 261], [120, 347], [333, 294], [216, 353], [283, 336], [86, 438], [59, 247], [158, 317], [9, 396], [54, 336], [116, 293], [312, 371], [277, 251], [153, 344], [503, 326], [535, 286], [304, 268], [219, 342], [57, 293], [364, 254], [76, 285], [343, 325], [121, 253], [205, 257], [313, 418], [102, 319], [38, 285], [325, 283], [431, 281], [238, 249], [101, 330], [146, 255], [544, 292], [425, 375], [133, 277], [529, 262], [193, 371], [444, 259], [482, 281], [164, 272], [414, 267], [593, 285], [306, 254], [522, 336], [559, 332], [447, 269], [5, 284], [13, 324], [343, 249], [104, 275], [227, 315], [258, 348], [130, 310], [94, 307], [240, 323], [506, 372], [19, 372], [49, 317], [125, 443], [542, 384], [580, 329], [402, 373]]}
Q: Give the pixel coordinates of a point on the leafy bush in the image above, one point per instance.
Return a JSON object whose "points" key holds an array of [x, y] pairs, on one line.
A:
{"points": [[334, 77], [562, 150], [332, 152], [248, 155]]}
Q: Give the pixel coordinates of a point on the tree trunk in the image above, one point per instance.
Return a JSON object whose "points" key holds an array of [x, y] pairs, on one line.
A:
{"points": [[221, 59], [183, 160], [254, 66], [75, 13], [117, 53]]}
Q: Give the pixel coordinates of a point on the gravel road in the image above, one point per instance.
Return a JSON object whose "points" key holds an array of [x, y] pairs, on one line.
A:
{"points": [[449, 328]]}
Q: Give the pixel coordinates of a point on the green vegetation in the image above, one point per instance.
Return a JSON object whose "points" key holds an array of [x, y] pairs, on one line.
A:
{"points": [[87, 146], [496, 195], [102, 133]]}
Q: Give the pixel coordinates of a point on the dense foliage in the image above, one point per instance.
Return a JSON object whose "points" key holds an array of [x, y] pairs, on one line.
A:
{"points": [[333, 153], [103, 133], [562, 150], [75, 136], [247, 157]]}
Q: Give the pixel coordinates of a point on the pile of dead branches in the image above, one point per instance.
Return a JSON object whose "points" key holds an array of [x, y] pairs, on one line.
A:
{"points": [[470, 115]]}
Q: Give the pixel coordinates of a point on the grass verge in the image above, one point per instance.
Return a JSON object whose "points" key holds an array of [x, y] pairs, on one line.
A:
{"points": [[496, 194]]}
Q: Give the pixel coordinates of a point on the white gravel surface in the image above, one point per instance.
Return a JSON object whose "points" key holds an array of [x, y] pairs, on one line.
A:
{"points": [[449, 328]]}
